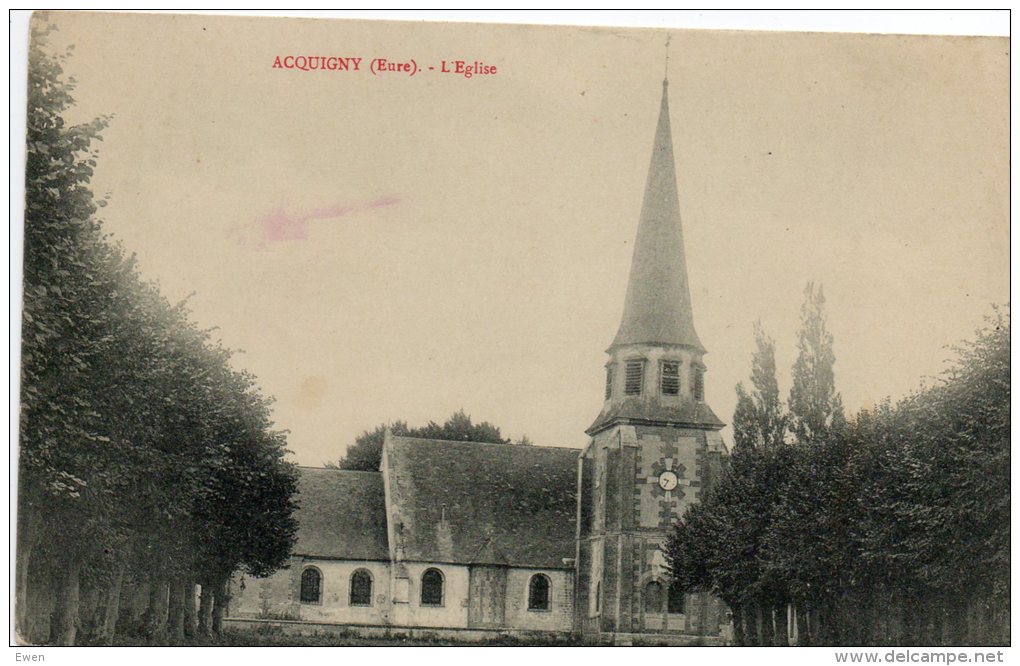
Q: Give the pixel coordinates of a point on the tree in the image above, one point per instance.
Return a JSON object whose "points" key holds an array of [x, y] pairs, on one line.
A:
{"points": [[366, 453], [759, 432], [66, 306], [760, 419], [141, 449], [892, 527], [815, 406]]}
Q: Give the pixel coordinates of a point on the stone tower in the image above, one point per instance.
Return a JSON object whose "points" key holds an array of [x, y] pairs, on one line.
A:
{"points": [[655, 445]]}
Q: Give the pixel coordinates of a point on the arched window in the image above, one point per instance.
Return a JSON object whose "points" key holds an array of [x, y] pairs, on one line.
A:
{"points": [[598, 597], [538, 593], [311, 586], [432, 588], [675, 604], [653, 597], [361, 588]]}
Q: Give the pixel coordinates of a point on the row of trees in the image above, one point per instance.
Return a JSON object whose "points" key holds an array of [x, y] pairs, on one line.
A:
{"points": [[891, 527], [147, 464]]}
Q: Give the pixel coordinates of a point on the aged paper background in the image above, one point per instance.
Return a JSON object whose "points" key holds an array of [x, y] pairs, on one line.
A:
{"points": [[398, 247]]}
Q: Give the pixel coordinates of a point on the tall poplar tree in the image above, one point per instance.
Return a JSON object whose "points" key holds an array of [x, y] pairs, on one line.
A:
{"points": [[760, 420], [815, 406]]}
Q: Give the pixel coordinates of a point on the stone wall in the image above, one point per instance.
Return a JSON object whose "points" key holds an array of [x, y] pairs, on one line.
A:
{"points": [[559, 617], [279, 595], [454, 610]]}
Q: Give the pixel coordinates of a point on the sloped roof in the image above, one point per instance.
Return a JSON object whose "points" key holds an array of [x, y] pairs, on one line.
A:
{"points": [[473, 503], [341, 514], [657, 309], [651, 410]]}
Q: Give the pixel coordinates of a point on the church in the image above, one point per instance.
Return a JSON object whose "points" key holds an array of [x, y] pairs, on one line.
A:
{"points": [[477, 539]]}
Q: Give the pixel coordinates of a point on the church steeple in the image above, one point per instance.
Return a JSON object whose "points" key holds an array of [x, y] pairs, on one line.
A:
{"points": [[655, 445], [655, 373], [657, 309]]}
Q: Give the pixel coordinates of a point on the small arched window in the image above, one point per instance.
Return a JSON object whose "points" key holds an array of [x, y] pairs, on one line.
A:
{"points": [[653, 597], [432, 588], [311, 586], [538, 593], [598, 597], [361, 588]]}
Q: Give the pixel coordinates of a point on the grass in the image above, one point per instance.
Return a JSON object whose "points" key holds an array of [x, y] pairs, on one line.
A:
{"points": [[275, 637]]}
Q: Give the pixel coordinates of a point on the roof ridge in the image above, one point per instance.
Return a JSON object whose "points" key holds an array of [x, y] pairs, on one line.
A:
{"points": [[469, 441], [334, 469]]}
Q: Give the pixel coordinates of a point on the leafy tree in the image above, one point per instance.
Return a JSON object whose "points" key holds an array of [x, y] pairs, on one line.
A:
{"points": [[366, 453], [141, 449], [815, 406], [67, 305], [889, 528]]}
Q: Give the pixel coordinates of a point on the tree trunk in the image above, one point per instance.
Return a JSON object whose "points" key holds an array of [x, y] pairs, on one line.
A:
{"points": [[26, 541], [750, 625], [816, 622], [64, 626], [134, 602], [765, 623], [737, 617], [782, 626], [914, 621], [156, 614], [112, 610], [205, 610], [823, 616], [175, 612], [221, 598], [89, 613], [938, 624], [954, 630], [803, 619], [190, 617]]}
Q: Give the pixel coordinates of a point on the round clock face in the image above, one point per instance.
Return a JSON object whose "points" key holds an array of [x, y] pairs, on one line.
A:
{"points": [[667, 480]]}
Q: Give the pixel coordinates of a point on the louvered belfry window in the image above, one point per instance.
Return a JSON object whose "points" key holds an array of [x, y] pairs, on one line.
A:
{"points": [[699, 384], [670, 378], [609, 381], [634, 375]]}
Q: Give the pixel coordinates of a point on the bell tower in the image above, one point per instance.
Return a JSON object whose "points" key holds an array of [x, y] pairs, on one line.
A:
{"points": [[655, 445]]}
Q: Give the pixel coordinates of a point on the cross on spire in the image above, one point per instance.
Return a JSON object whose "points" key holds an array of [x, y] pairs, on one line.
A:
{"points": [[665, 73]]}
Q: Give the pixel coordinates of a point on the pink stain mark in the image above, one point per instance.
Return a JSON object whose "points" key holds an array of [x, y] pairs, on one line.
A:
{"points": [[280, 226]]}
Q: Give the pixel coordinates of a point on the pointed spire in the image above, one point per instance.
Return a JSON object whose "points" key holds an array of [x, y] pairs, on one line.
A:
{"points": [[658, 305]]}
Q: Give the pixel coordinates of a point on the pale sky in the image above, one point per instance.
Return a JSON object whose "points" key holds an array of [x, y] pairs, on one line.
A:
{"points": [[395, 247]]}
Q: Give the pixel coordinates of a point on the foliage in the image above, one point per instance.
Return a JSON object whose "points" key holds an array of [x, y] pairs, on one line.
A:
{"points": [[891, 527], [815, 406], [366, 453], [141, 447], [760, 420]]}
